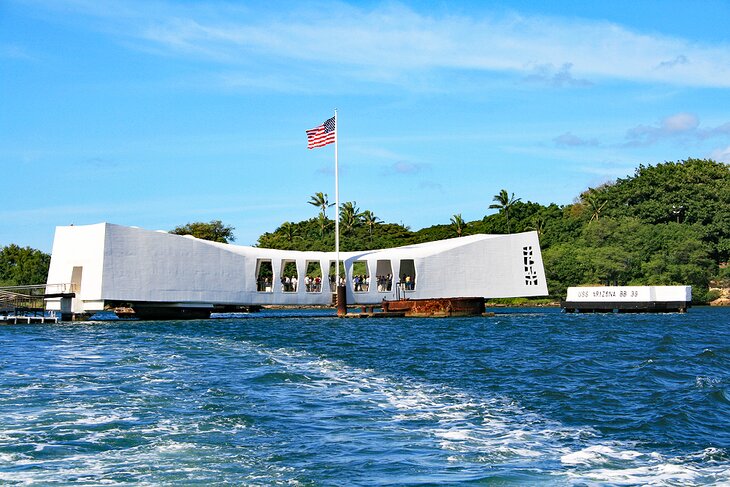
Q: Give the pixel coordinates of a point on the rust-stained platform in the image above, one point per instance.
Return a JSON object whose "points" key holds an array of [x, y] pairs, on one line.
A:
{"points": [[424, 308]]}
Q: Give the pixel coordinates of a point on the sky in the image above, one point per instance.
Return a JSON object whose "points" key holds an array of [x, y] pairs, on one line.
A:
{"points": [[159, 113]]}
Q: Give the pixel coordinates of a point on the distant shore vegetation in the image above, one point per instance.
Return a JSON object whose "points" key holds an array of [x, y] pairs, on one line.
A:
{"points": [[667, 224]]}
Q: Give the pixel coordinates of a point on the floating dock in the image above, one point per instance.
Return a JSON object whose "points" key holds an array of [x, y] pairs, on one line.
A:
{"points": [[14, 320], [628, 299]]}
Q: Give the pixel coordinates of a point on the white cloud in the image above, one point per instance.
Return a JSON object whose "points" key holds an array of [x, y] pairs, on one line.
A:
{"points": [[681, 122], [680, 125], [386, 42]]}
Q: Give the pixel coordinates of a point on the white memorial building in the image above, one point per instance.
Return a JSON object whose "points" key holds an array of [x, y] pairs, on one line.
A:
{"points": [[161, 274]]}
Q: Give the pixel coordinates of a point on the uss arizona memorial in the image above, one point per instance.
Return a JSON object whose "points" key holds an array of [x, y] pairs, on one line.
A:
{"points": [[165, 275]]}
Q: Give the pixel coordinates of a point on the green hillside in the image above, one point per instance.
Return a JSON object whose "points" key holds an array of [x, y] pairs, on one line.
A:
{"points": [[666, 224]]}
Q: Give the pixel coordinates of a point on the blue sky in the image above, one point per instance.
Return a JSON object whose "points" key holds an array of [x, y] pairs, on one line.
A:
{"points": [[159, 113]]}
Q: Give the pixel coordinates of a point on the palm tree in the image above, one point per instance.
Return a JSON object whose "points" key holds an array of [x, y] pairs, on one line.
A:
{"points": [[349, 215], [595, 206], [369, 219], [458, 223], [289, 231], [323, 223], [320, 200], [504, 203], [538, 225]]}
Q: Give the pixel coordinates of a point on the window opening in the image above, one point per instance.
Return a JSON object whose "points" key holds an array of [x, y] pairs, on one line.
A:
{"points": [[264, 276], [384, 276], [333, 286], [360, 276], [289, 276], [313, 277], [408, 274]]}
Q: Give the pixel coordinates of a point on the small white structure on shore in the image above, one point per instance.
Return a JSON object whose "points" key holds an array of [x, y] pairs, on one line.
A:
{"points": [[161, 274], [626, 299]]}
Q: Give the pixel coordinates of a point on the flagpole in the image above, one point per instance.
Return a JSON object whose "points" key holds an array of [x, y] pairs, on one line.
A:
{"points": [[337, 208]]}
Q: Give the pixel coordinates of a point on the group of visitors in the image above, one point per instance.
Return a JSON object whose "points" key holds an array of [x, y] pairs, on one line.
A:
{"points": [[289, 284], [385, 283], [263, 285], [360, 283], [313, 284]]}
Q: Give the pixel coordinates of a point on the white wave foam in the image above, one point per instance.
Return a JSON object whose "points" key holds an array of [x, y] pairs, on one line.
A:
{"points": [[439, 416], [603, 463], [458, 426], [662, 474], [597, 455], [490, 429]]}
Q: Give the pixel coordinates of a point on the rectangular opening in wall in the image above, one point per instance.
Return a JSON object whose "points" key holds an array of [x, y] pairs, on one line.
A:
{"points": [[264, 276], [76, 274], [360, 276], [384, 276], [408, 274], [313, 277], [331, 275], [289, 276]]}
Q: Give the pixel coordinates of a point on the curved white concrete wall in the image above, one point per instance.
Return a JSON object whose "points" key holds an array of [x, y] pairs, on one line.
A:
{"points": [[131, 264]]}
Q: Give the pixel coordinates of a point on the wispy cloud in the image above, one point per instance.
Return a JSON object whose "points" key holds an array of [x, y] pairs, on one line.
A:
{"points": [[719, 131], [683, 127], [395, 44], [558, 78], [679, 60], [406, 167], [570, 140]]}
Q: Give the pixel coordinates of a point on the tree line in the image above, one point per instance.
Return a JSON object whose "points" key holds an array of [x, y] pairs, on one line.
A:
{"points": [[665, 224]]}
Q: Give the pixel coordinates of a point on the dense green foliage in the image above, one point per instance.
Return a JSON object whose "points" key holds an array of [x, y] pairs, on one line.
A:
{"points": [[22, 266], [666, 224], [214, 231]]}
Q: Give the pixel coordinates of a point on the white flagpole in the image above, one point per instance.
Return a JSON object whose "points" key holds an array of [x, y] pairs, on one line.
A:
{"points": [[337, 208]]}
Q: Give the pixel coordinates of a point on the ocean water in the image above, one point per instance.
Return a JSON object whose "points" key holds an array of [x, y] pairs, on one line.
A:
{"points": [[525, 397]]}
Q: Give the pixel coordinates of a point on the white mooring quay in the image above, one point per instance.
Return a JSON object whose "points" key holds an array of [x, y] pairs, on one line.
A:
{"points": [[628, 299]]}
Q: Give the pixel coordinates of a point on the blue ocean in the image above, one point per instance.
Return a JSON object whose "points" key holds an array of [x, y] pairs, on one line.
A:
{"points": [[529, 396]]}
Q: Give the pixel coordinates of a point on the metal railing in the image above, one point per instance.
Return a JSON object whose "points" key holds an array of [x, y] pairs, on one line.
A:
{"points": [[30, 299]]}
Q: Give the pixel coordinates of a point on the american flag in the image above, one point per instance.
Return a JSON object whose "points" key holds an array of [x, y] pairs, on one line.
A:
{"points": [[322, 135]]}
